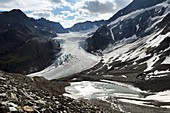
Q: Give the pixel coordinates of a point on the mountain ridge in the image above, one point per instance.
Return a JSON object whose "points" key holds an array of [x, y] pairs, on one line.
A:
{"points": [[86, 25], [23, 41], [53, 26], [129, 25], [134, 5]]}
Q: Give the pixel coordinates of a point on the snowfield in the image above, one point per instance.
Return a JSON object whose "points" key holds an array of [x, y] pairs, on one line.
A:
{"points": [[122, 51], [73, 57]]}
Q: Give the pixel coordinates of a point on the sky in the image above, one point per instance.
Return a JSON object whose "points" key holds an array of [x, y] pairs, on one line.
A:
{"points": [[67, 12]]}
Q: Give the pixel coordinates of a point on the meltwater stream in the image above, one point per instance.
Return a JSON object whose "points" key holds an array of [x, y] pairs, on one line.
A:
{"points": [[101, 90]]}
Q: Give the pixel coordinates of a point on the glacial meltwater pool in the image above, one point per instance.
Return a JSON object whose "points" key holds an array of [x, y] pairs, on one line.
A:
{"points": [[101, 90]]}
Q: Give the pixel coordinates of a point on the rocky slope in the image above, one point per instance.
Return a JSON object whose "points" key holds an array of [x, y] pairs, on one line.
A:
{"points": [[21, 94], [16, 19], [25, 46]]}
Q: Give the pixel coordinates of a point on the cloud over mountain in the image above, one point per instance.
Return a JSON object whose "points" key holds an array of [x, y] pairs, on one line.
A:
{"points": [[67, 12], [97, 7]]}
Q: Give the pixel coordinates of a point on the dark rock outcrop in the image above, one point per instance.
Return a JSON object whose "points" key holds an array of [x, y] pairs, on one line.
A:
{"points": [[100, 40], [52, 26], [25, 46], [16, 19]]}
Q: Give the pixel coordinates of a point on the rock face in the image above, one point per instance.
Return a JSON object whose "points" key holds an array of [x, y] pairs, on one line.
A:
{"points": [[22, 94], [25, 46], [86, 25], [52, 26], [136, 20], [97, 41], [16, 19], [135, 5]]}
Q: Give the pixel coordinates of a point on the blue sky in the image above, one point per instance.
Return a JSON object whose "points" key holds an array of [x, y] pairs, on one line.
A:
{"points": [[67, 12]]}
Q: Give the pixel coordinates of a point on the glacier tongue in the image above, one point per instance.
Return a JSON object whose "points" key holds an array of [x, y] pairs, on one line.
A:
{"points": [[73, 59]]}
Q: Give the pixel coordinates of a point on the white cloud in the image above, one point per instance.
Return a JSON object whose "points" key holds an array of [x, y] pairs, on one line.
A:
{"points": [[25, 5], [6, 1], [38, 14], [56, 1], [77, 11], [99, 7]]}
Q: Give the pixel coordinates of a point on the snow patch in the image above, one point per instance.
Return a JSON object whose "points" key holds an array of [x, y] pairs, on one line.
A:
{"points": [[138, 12], [137, 27], [151, 62], [156, 41], [142, 103], [161, 72], [113, 37], [160, 96], [167, 60], [166, 107], [124, 76]]}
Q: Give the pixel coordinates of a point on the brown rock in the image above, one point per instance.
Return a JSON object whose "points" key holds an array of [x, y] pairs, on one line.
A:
{"points": [[28, 109]]}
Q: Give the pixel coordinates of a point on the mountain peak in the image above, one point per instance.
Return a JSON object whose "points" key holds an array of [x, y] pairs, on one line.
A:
{"points": [[16, 12], [54, 26], [135, 5], [42, 19]]}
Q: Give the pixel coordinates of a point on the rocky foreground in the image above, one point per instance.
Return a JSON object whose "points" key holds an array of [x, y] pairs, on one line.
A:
{"points": [[20, 94]]}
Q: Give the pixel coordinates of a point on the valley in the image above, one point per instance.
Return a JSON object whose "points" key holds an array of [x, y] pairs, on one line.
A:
{"points": [[118, 65], [72, 58], [93, 77]]}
